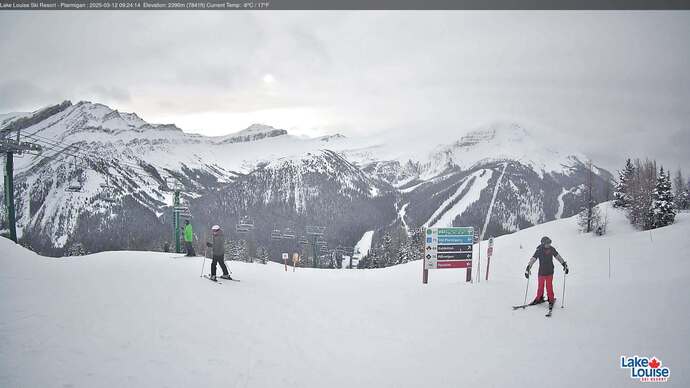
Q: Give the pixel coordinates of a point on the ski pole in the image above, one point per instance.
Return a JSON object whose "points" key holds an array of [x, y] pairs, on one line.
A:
{"points": [[203, 263], [526, 288], [563, 299]]}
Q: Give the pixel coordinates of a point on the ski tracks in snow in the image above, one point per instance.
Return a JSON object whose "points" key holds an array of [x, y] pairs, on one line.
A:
{"points": [[493, 199]]}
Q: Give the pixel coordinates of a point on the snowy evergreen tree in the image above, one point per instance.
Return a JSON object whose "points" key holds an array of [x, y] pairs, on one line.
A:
{"points": [[662, 209], [77, 249], [404, 251], [641, 188], [243, 252], [387, 256], [589, 216], [262, 255], [681, 196], [622, 195], [374, 258]]}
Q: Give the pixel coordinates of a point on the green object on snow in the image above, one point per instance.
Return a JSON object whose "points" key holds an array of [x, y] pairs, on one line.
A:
{"points": [[188, 233]]}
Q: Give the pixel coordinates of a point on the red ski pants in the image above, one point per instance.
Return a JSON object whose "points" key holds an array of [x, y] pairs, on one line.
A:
{"points": [[545, 280]]}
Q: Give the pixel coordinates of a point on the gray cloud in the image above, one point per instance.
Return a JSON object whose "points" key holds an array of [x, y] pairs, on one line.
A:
{"points": [[582, 79], [18, 94], [110, 93]]}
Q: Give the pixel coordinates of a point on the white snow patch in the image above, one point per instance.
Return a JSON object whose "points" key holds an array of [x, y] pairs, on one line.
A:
{"points": [[401, 214], [411, 188], [363, 246], [561, 205]]}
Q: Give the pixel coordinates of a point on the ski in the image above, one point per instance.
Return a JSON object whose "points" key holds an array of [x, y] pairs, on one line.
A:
{"points": [[548, 314], [524, 306], [215, 281]]}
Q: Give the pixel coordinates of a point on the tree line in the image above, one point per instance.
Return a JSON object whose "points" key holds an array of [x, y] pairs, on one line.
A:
{"points": [[648, 195]]}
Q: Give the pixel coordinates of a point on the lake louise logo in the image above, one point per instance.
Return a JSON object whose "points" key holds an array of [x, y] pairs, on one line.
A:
{"points": [[646, 369]]}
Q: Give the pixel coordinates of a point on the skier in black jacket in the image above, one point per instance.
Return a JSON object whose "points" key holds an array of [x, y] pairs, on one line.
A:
{"points": [[545, 253]]}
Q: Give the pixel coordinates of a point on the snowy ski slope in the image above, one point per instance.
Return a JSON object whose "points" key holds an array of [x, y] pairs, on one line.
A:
{"points": [[142, 319]]}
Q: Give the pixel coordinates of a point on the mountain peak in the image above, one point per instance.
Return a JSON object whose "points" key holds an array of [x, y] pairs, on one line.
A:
{"points": [[252, 133], [257, 127], [498, 132]]}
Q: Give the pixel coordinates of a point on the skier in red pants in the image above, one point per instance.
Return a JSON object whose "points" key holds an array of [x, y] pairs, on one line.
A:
{"points": [[545, 253]]}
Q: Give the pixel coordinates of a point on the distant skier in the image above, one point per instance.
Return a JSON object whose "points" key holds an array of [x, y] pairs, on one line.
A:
{"points": [[545, 253], [188, 238], [218, 245]]}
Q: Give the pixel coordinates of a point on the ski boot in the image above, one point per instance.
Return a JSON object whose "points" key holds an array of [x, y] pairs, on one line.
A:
{"points": [[212, 278], [551, 303], [538, 301], [225, 277]]}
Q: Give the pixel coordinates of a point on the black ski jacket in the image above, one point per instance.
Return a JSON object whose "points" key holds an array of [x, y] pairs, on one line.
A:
{"points": [[545, 256]]}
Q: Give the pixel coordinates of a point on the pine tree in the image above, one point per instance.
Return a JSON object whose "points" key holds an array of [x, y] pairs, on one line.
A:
{"points": [[662, 209], [243, 252], [641, 188], [77, 249], [387, 258], [374, 260], [404, 251], [622, 195], [589, 216], [262, 255], [416, 243], [680, 192]]}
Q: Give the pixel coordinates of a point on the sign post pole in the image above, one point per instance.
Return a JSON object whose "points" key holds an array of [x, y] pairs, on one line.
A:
{"points": [[478, 240], [489, 252], [425, 271], [285, 257]]}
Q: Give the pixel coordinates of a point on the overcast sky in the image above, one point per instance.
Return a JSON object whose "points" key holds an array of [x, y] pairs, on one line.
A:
{"points": [[579, 79]]}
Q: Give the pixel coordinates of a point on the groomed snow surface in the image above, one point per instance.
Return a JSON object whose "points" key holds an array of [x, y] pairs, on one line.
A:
{"points": [[137, 319]]}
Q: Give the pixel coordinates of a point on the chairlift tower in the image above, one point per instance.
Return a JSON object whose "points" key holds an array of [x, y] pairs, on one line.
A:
{"points": [[316, 233], [10, 147], [176, 210]]}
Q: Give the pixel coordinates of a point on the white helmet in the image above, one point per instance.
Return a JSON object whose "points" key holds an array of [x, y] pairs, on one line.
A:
{"points": [[215, 227]]}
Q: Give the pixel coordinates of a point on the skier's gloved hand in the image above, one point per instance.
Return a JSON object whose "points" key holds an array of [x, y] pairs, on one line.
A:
{"points": [[565, 268], [208, 244], [527, 271]]}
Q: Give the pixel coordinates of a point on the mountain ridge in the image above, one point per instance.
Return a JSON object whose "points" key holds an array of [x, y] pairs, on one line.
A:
{"points": [[271, 174]]}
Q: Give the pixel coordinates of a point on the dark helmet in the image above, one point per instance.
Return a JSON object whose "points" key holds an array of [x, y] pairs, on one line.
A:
{"points": [[545, 240]]}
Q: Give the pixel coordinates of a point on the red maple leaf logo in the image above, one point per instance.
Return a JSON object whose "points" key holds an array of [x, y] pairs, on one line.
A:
{"points": [[654, 363]]}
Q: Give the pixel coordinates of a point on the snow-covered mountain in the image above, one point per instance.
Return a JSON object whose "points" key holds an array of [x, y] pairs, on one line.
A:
{"points": [[104, 176], [500, 170]]}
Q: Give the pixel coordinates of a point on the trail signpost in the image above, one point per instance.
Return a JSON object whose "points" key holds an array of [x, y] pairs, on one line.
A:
{"points": [[489, 252], [285, 258], [448, 248]]}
